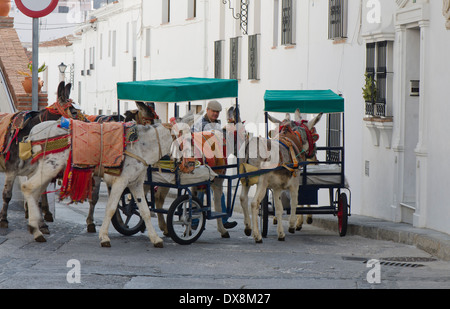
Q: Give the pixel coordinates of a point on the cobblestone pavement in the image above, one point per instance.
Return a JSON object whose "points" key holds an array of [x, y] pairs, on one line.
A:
{"points": [[312, 258]]}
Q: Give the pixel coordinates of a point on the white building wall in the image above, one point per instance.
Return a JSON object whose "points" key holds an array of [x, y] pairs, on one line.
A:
{"points": [[103, 44], [437, 103], [53, 57], [185, 47], [314, 62]]}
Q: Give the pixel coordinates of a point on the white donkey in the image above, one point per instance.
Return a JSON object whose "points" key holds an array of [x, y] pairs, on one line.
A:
{"points": [[154, 142], [278, 180], [232, 132]]}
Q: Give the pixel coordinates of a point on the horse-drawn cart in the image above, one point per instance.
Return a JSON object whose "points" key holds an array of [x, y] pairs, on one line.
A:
{"points": [[327, 174], [186, 217]]}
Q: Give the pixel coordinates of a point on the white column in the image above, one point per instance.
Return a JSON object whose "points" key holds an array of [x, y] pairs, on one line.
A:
{"points": [[398, 110], [421, 150]]}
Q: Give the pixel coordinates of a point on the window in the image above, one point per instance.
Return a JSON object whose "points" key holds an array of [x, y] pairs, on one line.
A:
{"points": [[165, 11], [192, 9], [147, 42], [370, 58], [113, 47], [287, 22], [253, 56], [63, 9], [127, 37], [101, 47], [79, 93], [92, 58], [276, 10], [234, 58], [218, 59], [337, 20], [109, 43], [378, 61], [334, 132]]}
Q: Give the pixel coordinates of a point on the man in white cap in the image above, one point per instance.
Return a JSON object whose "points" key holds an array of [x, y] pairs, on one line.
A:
{"points": [[207, 123]]}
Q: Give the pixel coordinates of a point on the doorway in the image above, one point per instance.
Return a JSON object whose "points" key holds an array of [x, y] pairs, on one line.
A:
{"points": [[411, 138]]}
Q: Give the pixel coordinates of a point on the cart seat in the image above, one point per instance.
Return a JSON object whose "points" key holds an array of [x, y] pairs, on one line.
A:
{"points": [[324, 174], [200, 174]]}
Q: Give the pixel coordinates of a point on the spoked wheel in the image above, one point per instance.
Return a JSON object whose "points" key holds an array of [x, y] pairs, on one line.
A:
{"points": [[342, 214], [127, 220], [186, 223]]}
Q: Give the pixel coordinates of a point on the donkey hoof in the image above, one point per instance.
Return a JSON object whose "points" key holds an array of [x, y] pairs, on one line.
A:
{"points": [[309, 220], [159, 245], [292, 230], [91, 228], [226, 235], [106, 244], [44, 230], [298, 228], [48, 218], [4, 224], [282, 238], [258, 241], [40, 238], [248, 232]]}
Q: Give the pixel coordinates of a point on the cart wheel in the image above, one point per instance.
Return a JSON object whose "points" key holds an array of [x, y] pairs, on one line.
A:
{"points": [[264, 215], [342, 214], [185, 224], [127, 220]]}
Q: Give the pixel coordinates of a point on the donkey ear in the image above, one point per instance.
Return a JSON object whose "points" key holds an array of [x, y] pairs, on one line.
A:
{"points": [[141, 106], [61, 90], [273, 119], [298, 116], [67, 91], [312, 123]]}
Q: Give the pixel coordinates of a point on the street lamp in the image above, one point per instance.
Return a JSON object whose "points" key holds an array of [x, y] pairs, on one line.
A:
{"points": [[62, 72]]}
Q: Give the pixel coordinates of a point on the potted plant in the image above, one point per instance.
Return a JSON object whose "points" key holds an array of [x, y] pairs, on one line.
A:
{"points": [[369, 93], [5, 7], [27, 83]]}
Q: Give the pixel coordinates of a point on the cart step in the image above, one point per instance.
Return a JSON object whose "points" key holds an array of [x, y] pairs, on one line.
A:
{"points": [[327, 210]]}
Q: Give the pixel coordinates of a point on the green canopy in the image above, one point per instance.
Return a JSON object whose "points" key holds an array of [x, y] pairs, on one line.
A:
{"points": [[177, 89], [308, 101]]}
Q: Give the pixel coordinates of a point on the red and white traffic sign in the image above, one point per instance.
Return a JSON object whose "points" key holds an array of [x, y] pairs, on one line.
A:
{"points": [[36, 9]]}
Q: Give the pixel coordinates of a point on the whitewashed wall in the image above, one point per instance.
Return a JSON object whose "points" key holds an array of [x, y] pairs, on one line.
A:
{"points": [[185, 47]]}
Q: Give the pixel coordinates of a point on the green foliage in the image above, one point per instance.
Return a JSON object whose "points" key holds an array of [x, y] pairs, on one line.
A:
{"points": [[369, 89]]}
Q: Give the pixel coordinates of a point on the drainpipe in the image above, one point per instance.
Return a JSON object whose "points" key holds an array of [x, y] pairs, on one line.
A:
{"points": [[205, 37]]}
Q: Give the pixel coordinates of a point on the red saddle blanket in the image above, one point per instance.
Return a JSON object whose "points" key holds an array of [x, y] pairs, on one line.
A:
{"points": [[97, 143]]}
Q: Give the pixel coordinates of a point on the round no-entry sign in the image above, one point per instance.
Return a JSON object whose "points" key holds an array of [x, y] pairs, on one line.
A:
{"points": [[36, 9]]}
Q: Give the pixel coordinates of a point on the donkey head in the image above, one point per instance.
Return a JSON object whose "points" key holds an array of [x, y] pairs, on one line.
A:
{"points": [[145, 114], [304, 129], [232, 116], [308, 134], [65, 102]]}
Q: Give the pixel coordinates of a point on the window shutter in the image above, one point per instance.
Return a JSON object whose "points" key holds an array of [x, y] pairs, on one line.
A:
{"points": [[334, 131], [253, 57], [370, 58], [218, 59], [337, 20], [234, 58], [286, 22]]}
